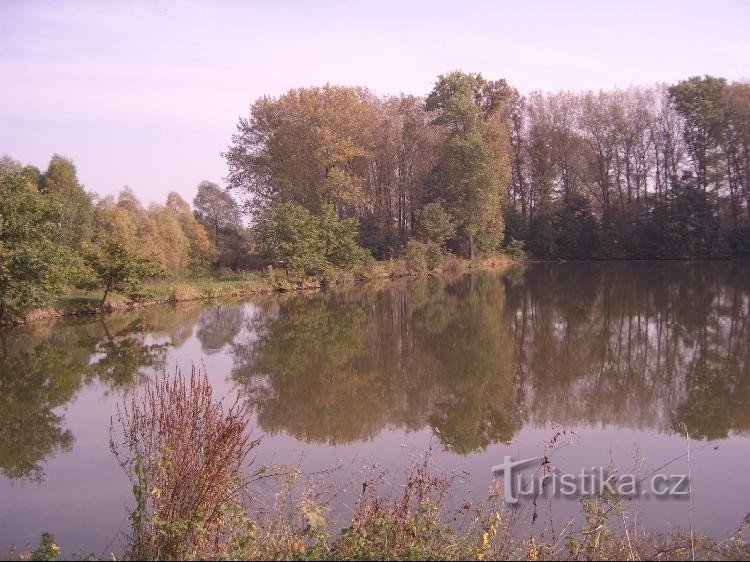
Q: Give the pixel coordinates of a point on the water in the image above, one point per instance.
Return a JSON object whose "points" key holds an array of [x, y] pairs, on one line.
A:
{"points": [[617, 355]]}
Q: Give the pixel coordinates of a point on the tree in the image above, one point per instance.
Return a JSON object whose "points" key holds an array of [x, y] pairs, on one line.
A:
{"points": [[289, 233], [434, 224], [338, 239], [216, 209], [308, 147], [692, 230], [576, 229], [31, 271], [201, 249], [309, 244], [473, 171], [219, 213], [369, 157], [737, 149], [169, 241], [60, 184], [701, 103], [118, 267]]}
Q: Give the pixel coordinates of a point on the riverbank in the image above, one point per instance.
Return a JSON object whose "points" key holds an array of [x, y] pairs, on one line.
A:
{"points": [[88, 303]]}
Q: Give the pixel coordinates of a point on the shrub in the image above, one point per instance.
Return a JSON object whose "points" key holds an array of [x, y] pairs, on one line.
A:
{"points": [[184, 292], [416, 257], [183, 453], [307, 244], [434, 224], [515, 250], [434, 257], [370, 268], [409, 526], [451, 263]]}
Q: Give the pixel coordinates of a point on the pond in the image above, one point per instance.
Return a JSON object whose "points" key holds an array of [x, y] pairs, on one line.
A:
{"points": [[621, 357]]}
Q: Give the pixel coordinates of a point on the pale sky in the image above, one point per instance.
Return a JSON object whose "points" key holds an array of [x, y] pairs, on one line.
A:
{"points": [[147, 94]]}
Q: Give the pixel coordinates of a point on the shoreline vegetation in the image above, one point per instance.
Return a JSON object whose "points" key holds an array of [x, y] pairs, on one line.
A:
{"points": [[234, 286], [198, 498]]}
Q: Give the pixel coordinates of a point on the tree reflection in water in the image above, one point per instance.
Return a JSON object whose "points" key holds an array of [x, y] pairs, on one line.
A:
{"points": [[637, 345], [43, 369]]}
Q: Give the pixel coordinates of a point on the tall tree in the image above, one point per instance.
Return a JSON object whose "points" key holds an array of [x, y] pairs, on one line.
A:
{"points": [[701, 103], [201, 251], [473, 171], [309, 146], [216, 209], [737, 149], [60, 184], [30, 259], [220, 214]]}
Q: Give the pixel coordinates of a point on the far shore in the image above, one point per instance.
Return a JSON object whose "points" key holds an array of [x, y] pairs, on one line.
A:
{"points": [[265, 282]]}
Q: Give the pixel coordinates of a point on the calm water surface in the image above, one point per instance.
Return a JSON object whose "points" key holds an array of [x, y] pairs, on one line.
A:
{"points": [[618, 355]]}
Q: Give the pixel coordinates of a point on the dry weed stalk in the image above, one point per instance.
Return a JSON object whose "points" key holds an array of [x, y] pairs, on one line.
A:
{"points": [[184, 453]]}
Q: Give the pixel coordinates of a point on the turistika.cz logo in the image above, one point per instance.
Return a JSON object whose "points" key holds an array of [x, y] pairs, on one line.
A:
{"points": [[594, 481]]}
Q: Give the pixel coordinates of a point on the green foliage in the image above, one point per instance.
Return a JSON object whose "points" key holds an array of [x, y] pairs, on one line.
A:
{"points": [[118, 267], [564, 229], [434, 224], [575, 226], [31, 264], [416, 257], [216, 209], [702, 103], [338, 239], [60, 184], [307, 244], [473, 171], [515, 228], [692, 230], [309, 146], [219, 213], [542, 237], [434, 258], [685, 226], [289, 233], [48, 549], [410, 526], [201, 250], [515, 250]]}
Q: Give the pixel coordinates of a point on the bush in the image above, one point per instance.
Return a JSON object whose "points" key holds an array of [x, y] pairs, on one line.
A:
{"points": [[416, 257], [370, 268], [451, 263], [307, 244], [183, 452], [434, 224], [434, 258], [515, 250]]}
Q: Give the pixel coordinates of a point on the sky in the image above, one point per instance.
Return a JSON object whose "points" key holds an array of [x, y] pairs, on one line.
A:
{"points": [[148, 94]]}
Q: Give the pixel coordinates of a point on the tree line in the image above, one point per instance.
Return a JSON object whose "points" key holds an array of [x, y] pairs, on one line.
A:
{"points": [[475, 166], [55, 236], [333, 176]]}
